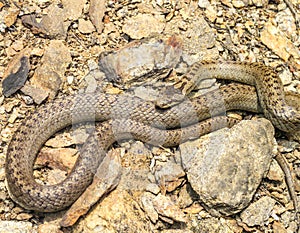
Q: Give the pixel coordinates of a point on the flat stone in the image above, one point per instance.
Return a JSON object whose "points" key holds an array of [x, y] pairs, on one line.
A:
{"points": [[11, 15], [106, 179], [286, 77], [16, 73]]}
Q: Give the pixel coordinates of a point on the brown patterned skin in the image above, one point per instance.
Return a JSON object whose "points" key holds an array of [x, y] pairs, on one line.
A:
{"points": [[141, 120]]}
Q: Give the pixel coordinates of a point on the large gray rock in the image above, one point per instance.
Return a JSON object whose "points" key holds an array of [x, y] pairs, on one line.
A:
{"points": [[226, 167]]}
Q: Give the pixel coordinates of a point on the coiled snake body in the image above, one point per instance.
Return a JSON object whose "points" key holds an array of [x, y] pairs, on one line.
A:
{"points": [[143, 121]]}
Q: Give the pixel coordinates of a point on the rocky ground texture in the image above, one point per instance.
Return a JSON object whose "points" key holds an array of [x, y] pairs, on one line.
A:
{"points": [[226, 181]]}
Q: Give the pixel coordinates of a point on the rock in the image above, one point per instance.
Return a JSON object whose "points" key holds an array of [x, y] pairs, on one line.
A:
{"points": [[49, 227], [216, 225], [60, 158], [16, 226], [198, 40], [286, 22], [50, 74], [17, 45], [13, 116], [286, 77], [184, 197], [211, 13], [203, 3], [278, 227], [106, 178], [147, 204], [91, 80], [258, 212], [139, 61], [238, 3], [118, 206], [169, 176], [24, 216], [226, 167], [96, 12], [37, 94], [167, 208], [274, 39], [73, 8], [62, 140], [153, 188], [16, 73], [260, 3], [10, 15], [85, 26], [143, 25], [53, 24], [275, 173]]}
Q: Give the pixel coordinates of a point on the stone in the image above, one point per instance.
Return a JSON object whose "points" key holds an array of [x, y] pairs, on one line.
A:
{"points": [[16, 226], [11, 15], [226, 167], [274, 39], [49, 227], [169, 176], [73, 8], [53, 24], [203, 3], [167, 208], [216, 225], [258, 213], [286, 77], [238, 3], [60, 158], [153, 188], [50, 75], [16, 73], [85, 26], [106, 179], [147, 204], [139, 61], [96, 13], [260, 3], [275, 173], [117, 207], [37, 94], [143, 25]]}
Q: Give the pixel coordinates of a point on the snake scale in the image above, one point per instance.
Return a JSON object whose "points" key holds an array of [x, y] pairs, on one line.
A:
{"points": [[142, 120]]}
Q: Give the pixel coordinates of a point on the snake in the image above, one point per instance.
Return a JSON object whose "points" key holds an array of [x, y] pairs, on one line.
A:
{"points": [[257, 88]]}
